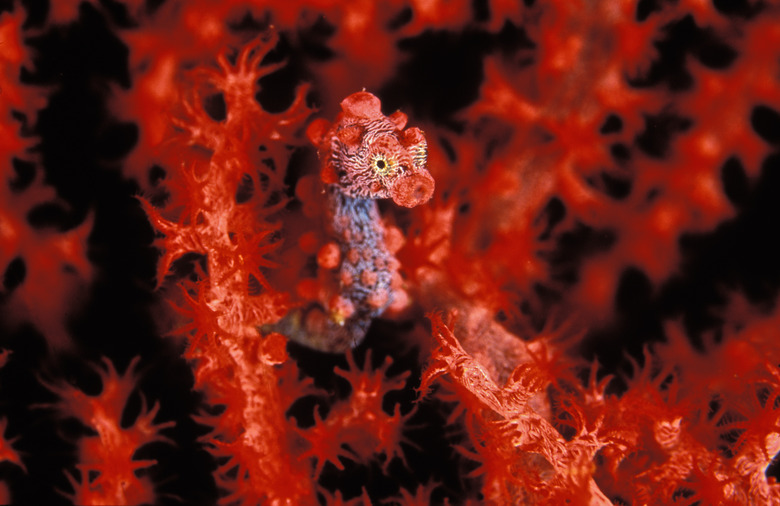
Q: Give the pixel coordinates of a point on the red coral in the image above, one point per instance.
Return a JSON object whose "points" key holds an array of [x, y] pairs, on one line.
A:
{"points": [[522, 457], [606, 176], [7, 452], [106, 461], [654, 441], [234, 363], [359, 428], [53, 263]]}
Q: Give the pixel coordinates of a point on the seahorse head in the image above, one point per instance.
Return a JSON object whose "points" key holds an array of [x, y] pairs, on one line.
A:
{"points": [[370, 155]]}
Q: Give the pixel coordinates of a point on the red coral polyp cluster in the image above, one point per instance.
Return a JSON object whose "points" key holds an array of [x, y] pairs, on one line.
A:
{"points": [[243, 201], [359, 428], [107, 469]]}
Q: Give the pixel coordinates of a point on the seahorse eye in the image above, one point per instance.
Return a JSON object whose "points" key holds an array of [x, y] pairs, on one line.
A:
{"points": [[382, 166]]}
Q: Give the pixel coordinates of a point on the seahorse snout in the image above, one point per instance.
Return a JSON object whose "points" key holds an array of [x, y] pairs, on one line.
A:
{"points": [[412, 189]]}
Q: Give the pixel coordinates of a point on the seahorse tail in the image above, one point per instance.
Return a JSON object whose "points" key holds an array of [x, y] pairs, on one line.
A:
{"points": [[312, 327]]}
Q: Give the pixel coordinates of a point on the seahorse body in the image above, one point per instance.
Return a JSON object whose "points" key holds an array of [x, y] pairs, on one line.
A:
{"points": [[365, 156]]}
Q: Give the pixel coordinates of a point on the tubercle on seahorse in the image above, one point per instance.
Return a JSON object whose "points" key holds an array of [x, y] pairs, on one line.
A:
{"points": [[365, 156]]}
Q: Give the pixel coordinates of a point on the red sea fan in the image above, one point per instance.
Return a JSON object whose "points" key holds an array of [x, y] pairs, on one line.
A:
{"points": [[47, 267], [235, 365], [7, 451], [551, 150], [107, 466], [600, 233], [359, 428], [522, 457]]}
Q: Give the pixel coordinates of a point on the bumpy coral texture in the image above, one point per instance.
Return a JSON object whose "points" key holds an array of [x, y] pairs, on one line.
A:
{"points": [[199, 194]]}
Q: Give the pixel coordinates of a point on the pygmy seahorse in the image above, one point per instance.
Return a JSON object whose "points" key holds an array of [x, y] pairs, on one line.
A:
{"points": [[365, 156]]}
